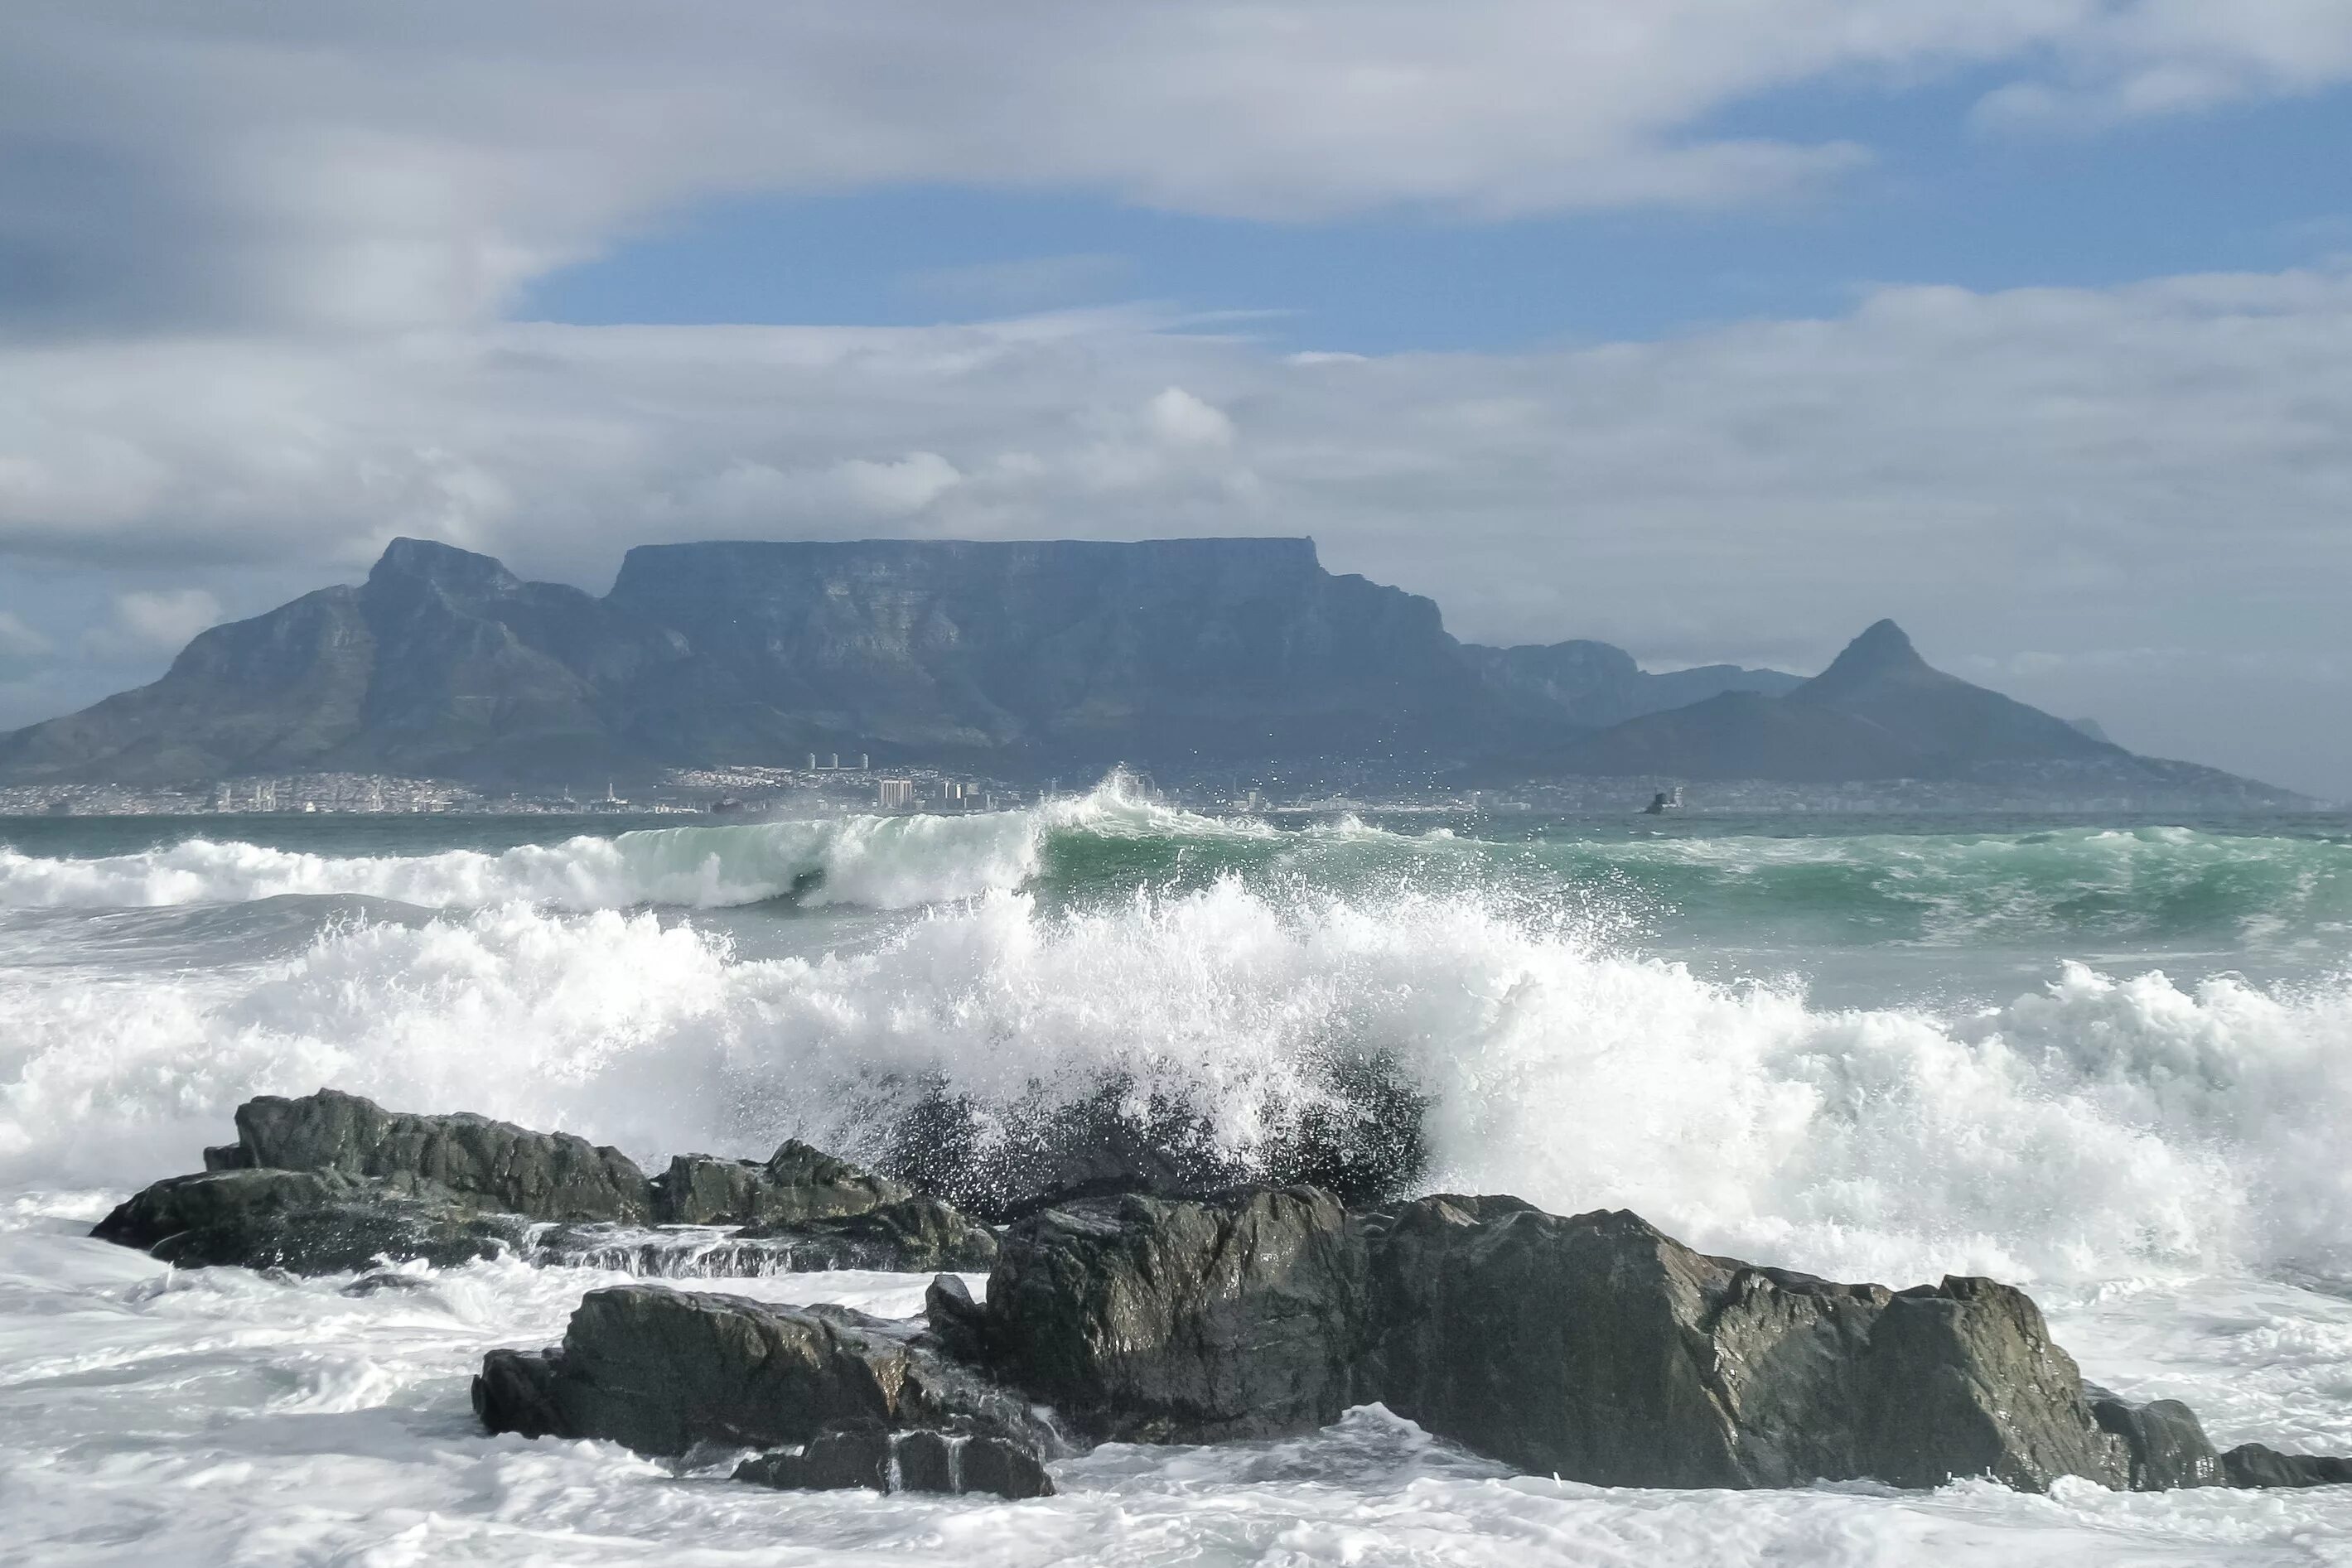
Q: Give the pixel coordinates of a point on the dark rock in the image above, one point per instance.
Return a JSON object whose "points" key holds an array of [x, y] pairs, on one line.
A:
{"points": [[378, 1281], [924, 1461], [2259, 1465], [917, 1234], [1582, 1346], [919, 1461], [959, 1323], [2163, 1440], [494, 1165], [227, 1157], [1597, 1347], [1964, 1380], [1139, 1318], [1001, 1466], [795, 1184], [835, 1460], [306, 1222], [661, 1371]]}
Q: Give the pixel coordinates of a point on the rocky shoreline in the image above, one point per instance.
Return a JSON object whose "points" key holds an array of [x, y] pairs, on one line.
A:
{"points": [[1589, 1346]]}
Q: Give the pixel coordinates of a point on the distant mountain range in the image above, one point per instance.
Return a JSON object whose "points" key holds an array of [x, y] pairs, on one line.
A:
{"points": [[1014, 657], [1879, 711]]}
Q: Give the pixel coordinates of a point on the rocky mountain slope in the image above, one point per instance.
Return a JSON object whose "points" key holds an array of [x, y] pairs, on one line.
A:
{"points": [[1880, 712], [1017, 658]]}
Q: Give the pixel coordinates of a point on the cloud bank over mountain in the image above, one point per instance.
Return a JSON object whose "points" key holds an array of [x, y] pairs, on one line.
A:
{"points": [[260, 258]]}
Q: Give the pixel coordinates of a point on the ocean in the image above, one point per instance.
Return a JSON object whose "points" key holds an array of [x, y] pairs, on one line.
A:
{"points": [[2108, 1061]]}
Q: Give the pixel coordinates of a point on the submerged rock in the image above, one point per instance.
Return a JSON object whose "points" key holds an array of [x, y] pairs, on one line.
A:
{"points": [[2164, 1442], [1161, 1321], [493, 1165], [306, 1222], [2259, 1465], [663, 1371], [793, 1185], [924, 1461], [917, 1236]]}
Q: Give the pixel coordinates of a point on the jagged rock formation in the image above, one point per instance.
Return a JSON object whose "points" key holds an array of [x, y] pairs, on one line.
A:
{"points": [[1600, 1348], [833, 1392], [305, 1222], [1183, 1320], [1591, 1346], [331, 1183], [494, 1165], [795, 1184]]}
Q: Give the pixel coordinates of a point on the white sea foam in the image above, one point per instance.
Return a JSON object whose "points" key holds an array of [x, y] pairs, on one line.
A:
{"points": [[2100, 1126], [2159, 1161]]}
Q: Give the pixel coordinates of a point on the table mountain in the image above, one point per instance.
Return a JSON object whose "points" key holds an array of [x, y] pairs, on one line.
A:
{"points": [[1018, 658]]}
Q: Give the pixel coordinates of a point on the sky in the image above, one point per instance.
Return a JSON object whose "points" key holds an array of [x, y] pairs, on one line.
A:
{"points": [[1716, 328]]}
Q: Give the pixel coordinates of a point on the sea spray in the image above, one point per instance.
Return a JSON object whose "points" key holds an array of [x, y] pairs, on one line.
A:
{"points": [[2099, 1123]]}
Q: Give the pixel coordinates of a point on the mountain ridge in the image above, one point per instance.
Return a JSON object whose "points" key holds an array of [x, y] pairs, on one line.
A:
{"points": [[1017, 656]]}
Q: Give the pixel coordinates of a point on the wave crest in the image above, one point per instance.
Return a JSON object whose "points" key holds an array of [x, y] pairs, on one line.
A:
{"points": [[2103, 1123], [879, 862]]}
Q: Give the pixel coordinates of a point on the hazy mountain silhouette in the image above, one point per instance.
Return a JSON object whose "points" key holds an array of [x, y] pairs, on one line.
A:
{"points": [[1020, 657], [1882, 712]]}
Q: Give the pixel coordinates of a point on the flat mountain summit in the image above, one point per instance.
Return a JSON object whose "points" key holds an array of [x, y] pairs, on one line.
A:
{"points": [[1017, 657]]}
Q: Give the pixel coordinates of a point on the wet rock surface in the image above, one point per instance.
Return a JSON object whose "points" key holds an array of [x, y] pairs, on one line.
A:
{"points": [[920, 1461], [2259, 1465], [306, 1222], [1592, 1347], [794, 1184], [495, 1164], [331, 1182], [917, 1236], [2164, 1443], [1170, 1321], [664, 1372]]}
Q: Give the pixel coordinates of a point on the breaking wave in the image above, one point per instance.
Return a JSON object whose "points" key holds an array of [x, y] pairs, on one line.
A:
{"points": [[879, 862], [2100, 1126]]}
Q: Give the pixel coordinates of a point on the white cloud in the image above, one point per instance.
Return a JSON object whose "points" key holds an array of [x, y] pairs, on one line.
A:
{"points": [[2061, 471], [149, 621], [902, 488], [415, 164], [1179, 419]]}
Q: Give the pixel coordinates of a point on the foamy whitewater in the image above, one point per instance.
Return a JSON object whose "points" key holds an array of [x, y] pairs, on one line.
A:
{"points": [[2110, 1061]]}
